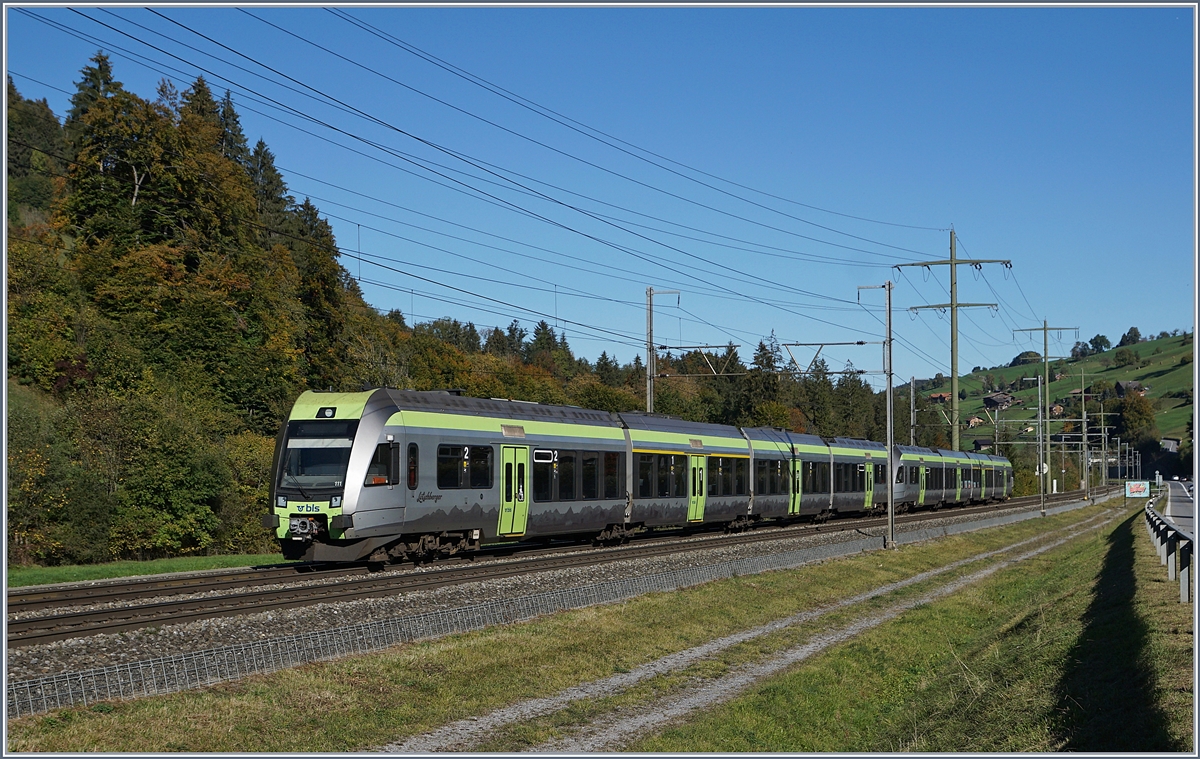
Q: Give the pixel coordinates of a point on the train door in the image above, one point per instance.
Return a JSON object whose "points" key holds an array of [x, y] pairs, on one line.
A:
{"points": [[958, 482], [698, 493], [922, 470], [514, 501], [796, 489], [868, 483]]}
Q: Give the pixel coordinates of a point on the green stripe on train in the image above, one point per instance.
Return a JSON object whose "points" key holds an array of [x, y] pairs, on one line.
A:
{"points": [[470, 423]]}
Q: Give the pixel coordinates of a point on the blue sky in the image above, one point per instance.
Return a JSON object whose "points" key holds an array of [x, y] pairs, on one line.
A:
{"points": [[1059, 138]]}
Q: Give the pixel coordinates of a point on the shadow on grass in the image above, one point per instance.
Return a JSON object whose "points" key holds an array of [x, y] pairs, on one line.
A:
{"points": [[1106, 697]]}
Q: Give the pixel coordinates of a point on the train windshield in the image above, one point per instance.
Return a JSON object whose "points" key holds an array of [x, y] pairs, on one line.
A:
{"points": [[317, 453]]}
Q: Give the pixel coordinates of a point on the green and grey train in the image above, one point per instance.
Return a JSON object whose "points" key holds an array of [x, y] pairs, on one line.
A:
{"points": [[392, 475]]}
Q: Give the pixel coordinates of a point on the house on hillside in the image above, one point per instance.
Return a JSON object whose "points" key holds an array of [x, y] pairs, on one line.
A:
{"points": [[975, 421], [999, 401], [939, 397], [983, 444], [1057, 410], [1130, 386]]}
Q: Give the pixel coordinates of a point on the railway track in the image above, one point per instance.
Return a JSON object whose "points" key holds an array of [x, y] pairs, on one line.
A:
{"points": [[358, 581]]}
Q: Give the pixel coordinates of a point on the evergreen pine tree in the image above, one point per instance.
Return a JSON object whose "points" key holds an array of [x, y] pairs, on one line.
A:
{"points": [[270, 193], [198, 100], [233, 140], [515, 336], [96, 84]]}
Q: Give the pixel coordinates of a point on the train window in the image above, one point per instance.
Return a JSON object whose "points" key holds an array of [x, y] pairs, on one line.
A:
{"points": [[566, 475], [543, 478], [480, 466], [663, 475], [760, 477], [589, 468], [679, 467], [508, 482], [645, 464], [449, 466], [377, 470], [900, 475], [714, 475], [741, 476], [412, 466], [612, 475], [727, 484]]}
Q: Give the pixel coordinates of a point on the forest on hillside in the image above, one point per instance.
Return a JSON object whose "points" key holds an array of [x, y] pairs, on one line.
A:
{"points": [[168, 299]]}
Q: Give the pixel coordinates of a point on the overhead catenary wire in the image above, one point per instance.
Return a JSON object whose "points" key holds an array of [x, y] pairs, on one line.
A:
{"points": [[632, 252], [805, 315], [549, 147], [563, 120], [473, 115], [499, 171], [356, 193]]}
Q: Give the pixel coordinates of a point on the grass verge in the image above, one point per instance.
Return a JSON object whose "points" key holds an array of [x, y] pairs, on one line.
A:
{"points": [[1085, 648], [22, 576], [366, 701]]}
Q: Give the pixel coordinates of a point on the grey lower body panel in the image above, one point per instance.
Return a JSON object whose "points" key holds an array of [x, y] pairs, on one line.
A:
{"points": [[659, 512], [570, 517]]}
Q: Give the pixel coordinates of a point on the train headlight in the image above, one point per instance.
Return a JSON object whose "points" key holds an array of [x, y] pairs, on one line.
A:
{"points": [[335, 502], [281, 501]]}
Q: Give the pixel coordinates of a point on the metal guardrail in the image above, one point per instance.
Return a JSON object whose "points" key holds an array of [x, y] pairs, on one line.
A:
{"points": [[1171, 541]]}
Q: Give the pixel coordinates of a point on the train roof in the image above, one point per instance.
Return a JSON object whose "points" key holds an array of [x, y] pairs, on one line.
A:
{"points": [[639, 420], [917, 449], [453, 403], [850, 442], [947, 453], [782, 436]]}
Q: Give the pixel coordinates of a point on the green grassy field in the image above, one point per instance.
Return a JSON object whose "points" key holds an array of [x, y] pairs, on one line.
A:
{"points": [[1050, 656], [1021, 634], [1164, 376], [22, 576]]}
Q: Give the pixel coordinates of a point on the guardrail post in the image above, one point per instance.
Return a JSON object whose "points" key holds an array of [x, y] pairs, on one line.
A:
{"points": [[1185, 572], [1170, 544], [1162, 544]]}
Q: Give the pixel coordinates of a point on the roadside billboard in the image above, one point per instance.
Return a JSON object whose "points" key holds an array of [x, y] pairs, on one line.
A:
{"points": [[1137, 489]]}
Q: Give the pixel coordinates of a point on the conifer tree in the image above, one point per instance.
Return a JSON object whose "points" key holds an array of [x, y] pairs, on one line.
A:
{"points": [[270, 193], [233, 140], [198, 100], [608, 370], [321, 291], [97, 83]]}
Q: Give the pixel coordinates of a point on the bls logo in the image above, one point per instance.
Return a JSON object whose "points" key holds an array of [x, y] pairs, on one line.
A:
{"points": [[305, 508]]}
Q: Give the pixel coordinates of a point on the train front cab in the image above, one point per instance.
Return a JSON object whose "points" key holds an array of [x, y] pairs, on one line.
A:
{"points": [[321, 451]]}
